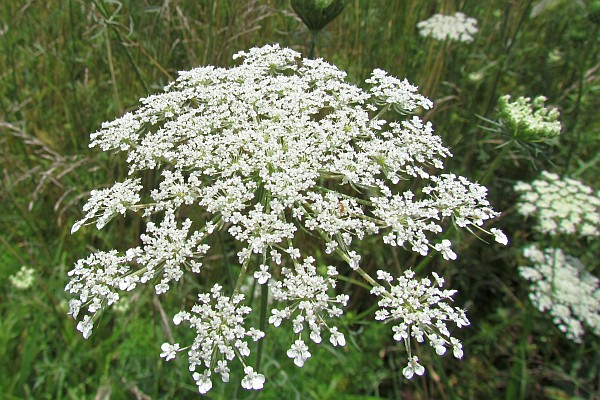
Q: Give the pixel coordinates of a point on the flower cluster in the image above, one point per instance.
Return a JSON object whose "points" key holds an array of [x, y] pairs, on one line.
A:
{"points": [[263, 150], [307, 293], [529, 120], [104, 204], [457, 27], [220, 337], [385, 90], [561, 286], [96, 280], [23, 279], [419, 310], [561, 205]]}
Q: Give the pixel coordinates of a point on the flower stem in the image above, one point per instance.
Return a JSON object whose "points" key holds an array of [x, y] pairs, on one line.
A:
{"points": [[496, 163], [242, 275], [313, 43]]}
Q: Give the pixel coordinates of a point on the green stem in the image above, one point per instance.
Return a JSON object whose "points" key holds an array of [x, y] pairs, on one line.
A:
{"points": [[496, 163], [507, 53], [109, 23], [242, 275], [359, 270], [381, 112], [313, 43], [264, 302]]}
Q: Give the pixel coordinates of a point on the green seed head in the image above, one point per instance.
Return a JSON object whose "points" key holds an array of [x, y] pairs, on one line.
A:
{"points": [[318, 13]]}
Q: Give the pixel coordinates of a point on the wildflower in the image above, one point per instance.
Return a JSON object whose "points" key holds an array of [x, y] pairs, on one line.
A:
{"points": [[23, 279], [96, 280], [85, 326], [250, 148], [529, 120], [203, 381], [561, 286], [418, 310], [445, 249], [560, 205], [169, 351], [400, 94], [413, 367], [499, 236], [104, 204], [263, 275], [457, 27], [220, 337], [299, 352], [252, 380], [307, 293]]}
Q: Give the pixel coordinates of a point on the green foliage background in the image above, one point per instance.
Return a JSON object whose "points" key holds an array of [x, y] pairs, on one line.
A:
{"points": [[68, 65]]}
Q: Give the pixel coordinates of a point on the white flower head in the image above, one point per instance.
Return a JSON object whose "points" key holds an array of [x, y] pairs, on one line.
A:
{"points": [[252, 380], [23, 279], [499, 236], [262, 276], [169, 351], [220, 337], [261, 151], [85, 326], [309, 291], [413, 368], [457, 27], [299, 352], [445, 249], [203, 381], [562, 287], [419, 310], [560, 205], [104, 204]]}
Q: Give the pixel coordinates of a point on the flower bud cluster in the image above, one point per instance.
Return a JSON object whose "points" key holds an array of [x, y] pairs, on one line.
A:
{"points": [[529, 120], [457, 27]]}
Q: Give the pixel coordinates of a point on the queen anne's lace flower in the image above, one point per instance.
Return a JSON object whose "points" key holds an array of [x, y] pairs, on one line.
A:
{"points": [[104, 204], [413, 368], [220, 336], [97, 279], [400, 94], [299, 352], [561, 286], [560, 205], [306, 295], [23, 279], [252, 380], [457, 27], [265, 149], [169, 351], [418, 310]]}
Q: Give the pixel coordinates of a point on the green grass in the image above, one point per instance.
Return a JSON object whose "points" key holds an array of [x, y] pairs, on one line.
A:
{"points": [[66, 66]]}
